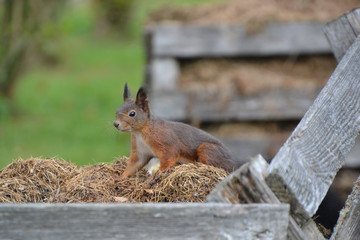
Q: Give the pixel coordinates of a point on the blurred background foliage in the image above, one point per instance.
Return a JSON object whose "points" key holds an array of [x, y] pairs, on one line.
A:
{"points": [[63, 65]]}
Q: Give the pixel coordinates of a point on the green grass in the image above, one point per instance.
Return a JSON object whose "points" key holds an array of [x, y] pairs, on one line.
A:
{"points": [[66, 111]]}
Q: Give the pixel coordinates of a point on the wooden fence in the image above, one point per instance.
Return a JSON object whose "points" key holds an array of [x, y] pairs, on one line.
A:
{"points": [[303, 169], [281, 197], [170, 44]]}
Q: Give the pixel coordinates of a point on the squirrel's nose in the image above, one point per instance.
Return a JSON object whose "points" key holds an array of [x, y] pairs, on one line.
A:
{"points": [[116, 124]]}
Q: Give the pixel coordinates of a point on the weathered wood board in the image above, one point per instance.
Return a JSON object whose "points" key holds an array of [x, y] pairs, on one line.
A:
{"points": [[342, 32], [348, 225], [188, 41], [247, 185], [143, 221], [305, 166], [275, 105], [268, 144]]}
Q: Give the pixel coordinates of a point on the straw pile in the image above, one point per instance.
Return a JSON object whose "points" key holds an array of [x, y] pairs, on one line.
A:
{"points": [[183, 183], [52, 180], [254, 76], [253, 13], [34, 180]]}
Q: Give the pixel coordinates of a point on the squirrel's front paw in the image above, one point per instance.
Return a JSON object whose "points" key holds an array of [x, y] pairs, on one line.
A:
{"points": [[119, 178]]}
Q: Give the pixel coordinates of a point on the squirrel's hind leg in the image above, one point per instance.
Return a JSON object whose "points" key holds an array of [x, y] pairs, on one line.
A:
{"points": [[215, 155], [205, 153], [166, 163]]}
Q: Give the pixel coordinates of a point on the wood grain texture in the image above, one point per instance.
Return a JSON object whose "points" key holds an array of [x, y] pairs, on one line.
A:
{"points": [[184, 41], [342, 32], [247, 185], [348, 225], [143, 221], [306, 164]]}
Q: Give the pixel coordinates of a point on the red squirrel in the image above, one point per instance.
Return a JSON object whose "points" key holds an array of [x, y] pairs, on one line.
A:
{"points": [[169, 141]]}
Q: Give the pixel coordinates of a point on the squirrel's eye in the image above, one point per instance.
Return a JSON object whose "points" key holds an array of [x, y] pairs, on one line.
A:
{"points": [[132, 114]]}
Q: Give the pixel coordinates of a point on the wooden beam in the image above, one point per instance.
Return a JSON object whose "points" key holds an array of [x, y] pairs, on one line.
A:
{"points": [[348, 225], [143, 221], [306, 164], [244, 145], [188, 41], [342, 32], [271, 105], [247, 185]]}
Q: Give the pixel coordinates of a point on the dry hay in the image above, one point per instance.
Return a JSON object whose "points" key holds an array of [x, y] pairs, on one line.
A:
{"points": [[183, 183], [91, 184], [253, 76], [225, 79], [34, 180], [254, 13], [51, 180], [95, 183]]}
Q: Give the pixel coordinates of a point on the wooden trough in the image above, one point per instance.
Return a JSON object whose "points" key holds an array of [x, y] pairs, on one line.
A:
{"points": [[281, 197]]}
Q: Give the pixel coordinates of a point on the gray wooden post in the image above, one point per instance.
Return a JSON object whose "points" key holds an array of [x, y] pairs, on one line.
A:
{"points": [[342, 32], [306, 164]]}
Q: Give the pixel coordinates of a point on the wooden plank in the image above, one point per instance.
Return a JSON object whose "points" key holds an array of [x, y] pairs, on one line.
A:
{"points": [[278, 104], [245, 146], [271, 105], [306, 164], [143, 221], [187, 41], [342, 32], [164, 74], [169, 105], [247, 185], [348, 225]]}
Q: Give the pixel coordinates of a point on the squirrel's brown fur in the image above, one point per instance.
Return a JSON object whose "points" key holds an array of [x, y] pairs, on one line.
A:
{"points": [[169, 141]]}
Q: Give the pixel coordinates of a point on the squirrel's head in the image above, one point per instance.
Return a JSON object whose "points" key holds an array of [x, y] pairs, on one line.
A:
{"points": [[133, 114]]}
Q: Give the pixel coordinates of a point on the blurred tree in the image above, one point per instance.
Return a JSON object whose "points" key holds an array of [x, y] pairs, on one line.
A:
{"points": [[113, 15], [22, 25]]}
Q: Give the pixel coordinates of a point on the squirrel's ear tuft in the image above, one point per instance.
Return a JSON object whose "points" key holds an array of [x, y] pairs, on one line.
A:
{"points": [[127, 93], [142, 101]]}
